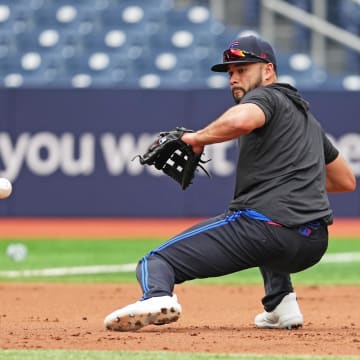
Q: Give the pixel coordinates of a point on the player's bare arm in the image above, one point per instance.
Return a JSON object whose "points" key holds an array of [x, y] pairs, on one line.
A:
{"points": [[236, 121], [339, 177]]}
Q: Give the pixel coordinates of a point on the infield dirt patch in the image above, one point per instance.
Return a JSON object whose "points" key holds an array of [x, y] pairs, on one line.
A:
{"points": [[100, 228], [215, 319]]}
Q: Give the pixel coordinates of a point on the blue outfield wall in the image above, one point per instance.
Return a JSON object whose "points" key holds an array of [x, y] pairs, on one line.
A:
{"points": [[68, 152]]}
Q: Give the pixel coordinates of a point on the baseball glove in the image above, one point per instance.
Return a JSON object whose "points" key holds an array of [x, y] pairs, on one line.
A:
{"points": [[173, 156]]}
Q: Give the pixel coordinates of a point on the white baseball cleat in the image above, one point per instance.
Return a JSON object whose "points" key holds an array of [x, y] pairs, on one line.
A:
{"points": [[156, 310], [286, 315]]}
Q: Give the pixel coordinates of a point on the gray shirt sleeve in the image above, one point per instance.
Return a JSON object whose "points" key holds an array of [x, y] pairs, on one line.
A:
{"points": [[330, 151], [264, 99]]}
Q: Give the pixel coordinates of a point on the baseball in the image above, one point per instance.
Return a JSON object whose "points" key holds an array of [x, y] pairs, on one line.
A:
{"points": [[17, 252], [5, 188]]}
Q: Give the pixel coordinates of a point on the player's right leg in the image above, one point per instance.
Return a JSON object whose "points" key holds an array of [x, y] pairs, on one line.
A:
{"points": [[158, 310], [207, 249]]}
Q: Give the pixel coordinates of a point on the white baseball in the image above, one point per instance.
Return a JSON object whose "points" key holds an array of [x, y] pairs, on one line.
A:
{"points": [[5, 188], [17, 252]]}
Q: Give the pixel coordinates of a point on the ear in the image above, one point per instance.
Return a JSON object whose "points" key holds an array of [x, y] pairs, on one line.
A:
{"points": [[269, 71]]}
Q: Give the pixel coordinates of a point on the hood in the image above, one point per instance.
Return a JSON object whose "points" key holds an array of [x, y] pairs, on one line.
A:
{"points": [[292, 94]]}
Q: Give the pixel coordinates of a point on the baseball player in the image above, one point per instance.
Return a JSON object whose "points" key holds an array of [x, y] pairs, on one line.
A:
{"points": [[280, 212]]}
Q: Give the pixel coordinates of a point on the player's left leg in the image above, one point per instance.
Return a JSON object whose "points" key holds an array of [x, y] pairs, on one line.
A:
{"points": [[280, 303], [308, 244], [277, 285]]}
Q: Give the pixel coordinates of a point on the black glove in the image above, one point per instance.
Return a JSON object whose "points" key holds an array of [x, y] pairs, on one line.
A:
{"points": [[174, 157]]}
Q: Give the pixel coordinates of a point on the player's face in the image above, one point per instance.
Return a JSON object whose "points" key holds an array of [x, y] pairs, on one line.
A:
{"points": [[243, 78]]}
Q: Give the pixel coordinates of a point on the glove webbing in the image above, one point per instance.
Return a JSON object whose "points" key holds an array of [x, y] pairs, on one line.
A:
{"points": [[180, 169], [163, 157]]}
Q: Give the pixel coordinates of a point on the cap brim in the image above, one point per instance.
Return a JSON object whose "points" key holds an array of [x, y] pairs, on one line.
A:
{"points": [[224, 67]]}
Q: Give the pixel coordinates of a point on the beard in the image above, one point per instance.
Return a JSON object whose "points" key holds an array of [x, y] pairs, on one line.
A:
{"points": [[237, 98]]}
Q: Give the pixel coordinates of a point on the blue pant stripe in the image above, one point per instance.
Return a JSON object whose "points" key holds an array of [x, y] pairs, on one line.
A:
{"points": [[144, 270], [144, 275], [190, 233]]}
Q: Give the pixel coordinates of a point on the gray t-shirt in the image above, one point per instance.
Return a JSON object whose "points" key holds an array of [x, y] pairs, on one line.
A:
{"points": [[281, 166]]}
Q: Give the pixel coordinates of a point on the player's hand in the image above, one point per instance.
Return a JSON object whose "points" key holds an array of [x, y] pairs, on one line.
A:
{"points": [[190, 138]]}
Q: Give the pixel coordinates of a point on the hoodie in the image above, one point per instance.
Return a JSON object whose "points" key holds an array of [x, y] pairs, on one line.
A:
{"points": [[281, 166]]}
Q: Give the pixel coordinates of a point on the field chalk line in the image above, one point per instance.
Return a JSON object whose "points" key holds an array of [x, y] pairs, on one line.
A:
{"points": [[346, 257]]}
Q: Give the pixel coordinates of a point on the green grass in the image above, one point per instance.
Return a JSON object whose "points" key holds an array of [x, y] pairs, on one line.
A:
{"points": [[68, 253], [52, 252], [126, 355]]}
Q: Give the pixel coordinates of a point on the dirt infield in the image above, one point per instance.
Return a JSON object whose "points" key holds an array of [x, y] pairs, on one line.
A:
{"points": [[117, 228], [57, 316], [70, 316]]}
